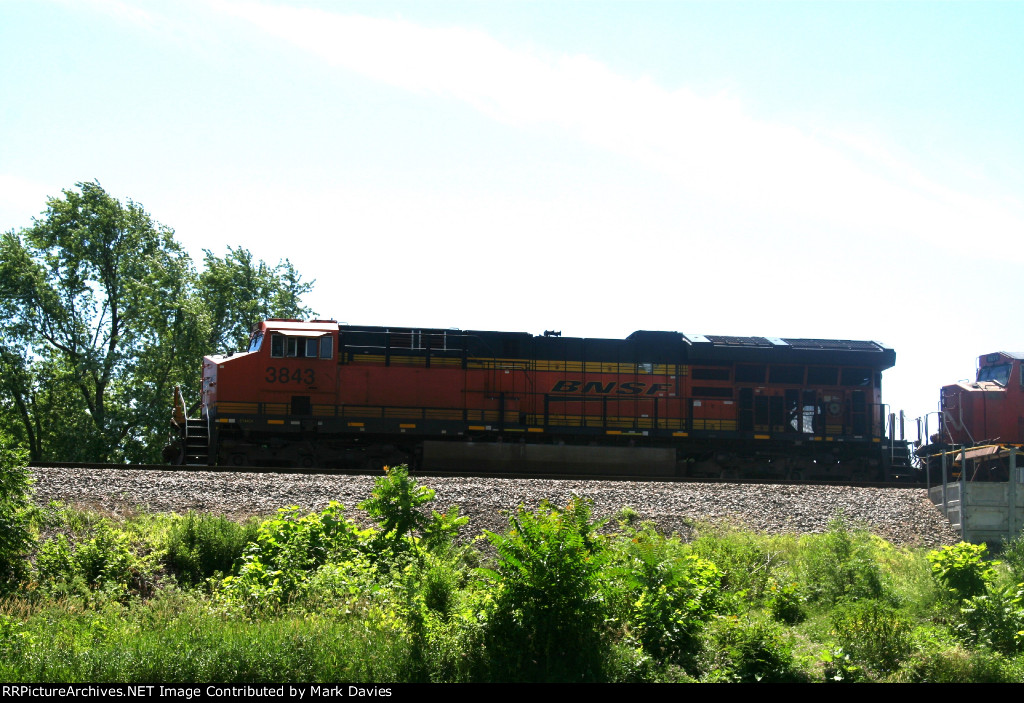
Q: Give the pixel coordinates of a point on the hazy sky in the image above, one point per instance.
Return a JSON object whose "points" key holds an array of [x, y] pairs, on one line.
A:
{"points": [[840, 170]]}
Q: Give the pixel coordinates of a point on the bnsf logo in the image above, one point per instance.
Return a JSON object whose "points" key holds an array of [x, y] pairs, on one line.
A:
{"points": [[610, 388]]}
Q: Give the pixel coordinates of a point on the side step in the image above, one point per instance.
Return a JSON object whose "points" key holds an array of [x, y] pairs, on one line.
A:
{"points": [[197, 442], [899, 461]]}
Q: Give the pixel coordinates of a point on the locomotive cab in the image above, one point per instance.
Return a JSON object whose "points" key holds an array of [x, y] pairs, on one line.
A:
{"points": [[989, 409], [290, 365]]}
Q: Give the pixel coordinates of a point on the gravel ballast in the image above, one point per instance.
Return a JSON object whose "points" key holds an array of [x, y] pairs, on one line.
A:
{"points": [[902, 516]]}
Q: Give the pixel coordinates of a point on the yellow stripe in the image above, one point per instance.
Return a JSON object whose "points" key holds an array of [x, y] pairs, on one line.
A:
{"points": [[586, 367], [534, 429], [245, 408], [444, 414], [368, 359], [275, 422]]}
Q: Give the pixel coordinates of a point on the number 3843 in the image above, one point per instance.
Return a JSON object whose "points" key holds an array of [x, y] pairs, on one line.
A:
{"points": [[287, 375]]}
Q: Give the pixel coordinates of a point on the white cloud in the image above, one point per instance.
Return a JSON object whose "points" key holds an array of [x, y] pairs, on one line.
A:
{"points": [[709, 145]]}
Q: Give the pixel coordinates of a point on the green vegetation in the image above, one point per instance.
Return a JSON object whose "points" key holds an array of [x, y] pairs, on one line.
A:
{"points": [[557, 596], [103, 313], [15, 512]]}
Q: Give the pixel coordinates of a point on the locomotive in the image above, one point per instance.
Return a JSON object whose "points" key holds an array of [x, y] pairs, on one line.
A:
{"points": [[328, 395], [981, 422]]}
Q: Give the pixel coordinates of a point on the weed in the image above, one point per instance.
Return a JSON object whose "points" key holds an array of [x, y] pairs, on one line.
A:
{"points": [[995, 619], [545, 621], [662, 594], [839, 565], [745, 559], [200, 546], [784, 602], [1012, 554], [873, 633], [16, 538], [962, 569], [287, 550], [748, 649], [395, 502]]}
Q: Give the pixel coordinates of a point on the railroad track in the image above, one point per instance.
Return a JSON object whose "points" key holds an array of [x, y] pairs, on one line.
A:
{"points": [[456, 474]]}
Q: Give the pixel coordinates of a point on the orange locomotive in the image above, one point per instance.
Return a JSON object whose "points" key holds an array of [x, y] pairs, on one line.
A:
{"points": [[981, 422], [320, 394]]}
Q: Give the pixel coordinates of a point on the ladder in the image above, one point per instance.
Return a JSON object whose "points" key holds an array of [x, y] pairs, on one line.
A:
{"points": [[197, 442], [900, 465]]}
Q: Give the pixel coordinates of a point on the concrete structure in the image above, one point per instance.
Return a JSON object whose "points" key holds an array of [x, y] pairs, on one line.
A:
{"points": [[985, 511]]}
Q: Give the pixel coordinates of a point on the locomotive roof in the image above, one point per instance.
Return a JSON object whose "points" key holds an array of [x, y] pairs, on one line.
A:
{"points": [[643, 345], [299, 326], [789, 350]]}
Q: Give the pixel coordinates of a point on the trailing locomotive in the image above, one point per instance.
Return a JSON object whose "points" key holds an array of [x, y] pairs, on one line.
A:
{"points": [[320, 394], [981, 422]]}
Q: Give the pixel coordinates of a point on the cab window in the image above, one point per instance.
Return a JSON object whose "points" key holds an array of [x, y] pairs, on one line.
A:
{"points": [[1000, 373], [302, 347]]}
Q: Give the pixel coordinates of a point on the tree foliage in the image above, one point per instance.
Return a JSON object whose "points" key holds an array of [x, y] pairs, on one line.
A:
{"points": [[103, 313], [239, 292]]}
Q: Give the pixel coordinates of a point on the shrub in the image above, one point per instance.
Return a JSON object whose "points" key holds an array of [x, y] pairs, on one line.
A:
{"points": [[287, 550], [663, 595], [16, 538], [746, 650], [962, 569], [200, 546], [545, 620], [395, 502], [108, 560], [995, 619]]}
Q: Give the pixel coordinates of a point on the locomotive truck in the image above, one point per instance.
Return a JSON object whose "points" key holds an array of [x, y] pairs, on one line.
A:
{"points": [[328, 395]]}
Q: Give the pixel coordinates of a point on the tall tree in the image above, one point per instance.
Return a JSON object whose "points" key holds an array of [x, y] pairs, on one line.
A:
{"points": [[99, 296], [102, 313], [239, 292]]}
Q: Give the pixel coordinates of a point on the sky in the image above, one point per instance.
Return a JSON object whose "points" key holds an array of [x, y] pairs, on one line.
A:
{"points": [[787, 169]]}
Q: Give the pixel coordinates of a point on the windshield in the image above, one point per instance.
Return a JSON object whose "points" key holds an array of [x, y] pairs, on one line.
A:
{"points": [[254, 343], [1000, 373]]}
